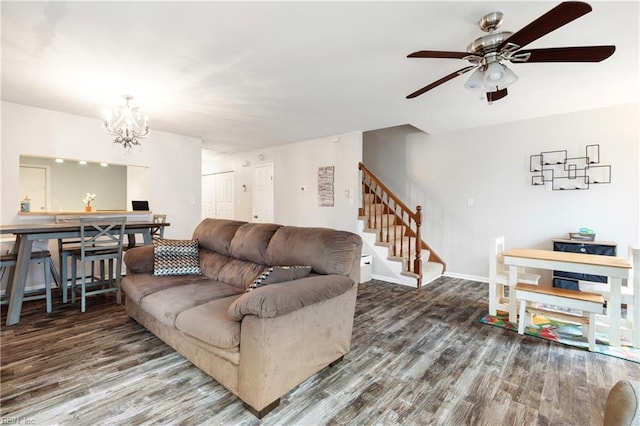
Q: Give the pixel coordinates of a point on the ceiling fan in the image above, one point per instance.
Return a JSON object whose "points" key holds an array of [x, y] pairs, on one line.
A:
{"points": [[486, 53]]}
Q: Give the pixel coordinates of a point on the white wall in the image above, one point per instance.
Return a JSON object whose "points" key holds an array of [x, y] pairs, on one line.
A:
{"points": [[296, 165], [491, 165], [173, 160]]}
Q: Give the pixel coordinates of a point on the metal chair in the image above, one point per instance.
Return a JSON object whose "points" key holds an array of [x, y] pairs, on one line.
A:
{"points": [[101, 239], [38, 257]]}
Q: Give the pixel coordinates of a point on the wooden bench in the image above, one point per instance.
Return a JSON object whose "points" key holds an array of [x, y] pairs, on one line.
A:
{"points": [[589, 304]]}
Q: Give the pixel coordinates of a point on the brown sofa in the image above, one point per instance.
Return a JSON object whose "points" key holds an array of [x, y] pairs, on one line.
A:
{"points": [[260, 343]]}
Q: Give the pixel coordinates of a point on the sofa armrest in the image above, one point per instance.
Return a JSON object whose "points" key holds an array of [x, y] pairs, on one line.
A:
{"points": [[279, 299], [139, 259]]}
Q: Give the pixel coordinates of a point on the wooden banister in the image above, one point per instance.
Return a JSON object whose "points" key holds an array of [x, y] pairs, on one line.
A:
{"points": [[396, 217]]}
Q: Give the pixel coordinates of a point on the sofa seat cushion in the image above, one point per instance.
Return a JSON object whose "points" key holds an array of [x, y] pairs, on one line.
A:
{"points": [[165, 305], [211, 324], [137, 286]]}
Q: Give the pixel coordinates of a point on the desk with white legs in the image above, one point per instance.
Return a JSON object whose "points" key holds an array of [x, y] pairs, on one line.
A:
{"points": [[616, 269]]}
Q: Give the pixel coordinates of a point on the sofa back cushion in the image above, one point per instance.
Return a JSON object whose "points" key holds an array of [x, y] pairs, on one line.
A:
{"points": [[216, 234], [239, 273], [251, 240], [211, 263], [327, 251]]}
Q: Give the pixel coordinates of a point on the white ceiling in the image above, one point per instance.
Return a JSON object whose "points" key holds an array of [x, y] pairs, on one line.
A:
{"points": [[247, 75]]}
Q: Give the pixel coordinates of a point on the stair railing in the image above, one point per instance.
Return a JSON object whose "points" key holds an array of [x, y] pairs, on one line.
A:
{"points": [[395, 218]]}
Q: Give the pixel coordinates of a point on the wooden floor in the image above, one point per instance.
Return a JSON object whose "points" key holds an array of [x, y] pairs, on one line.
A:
{"points": [[419, 357]]}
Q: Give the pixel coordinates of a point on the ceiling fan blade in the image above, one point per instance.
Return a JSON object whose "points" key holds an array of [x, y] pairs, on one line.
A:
{"points": [[564, 54], [439, 82], [441, 54], [494, 96], [560, 15]]}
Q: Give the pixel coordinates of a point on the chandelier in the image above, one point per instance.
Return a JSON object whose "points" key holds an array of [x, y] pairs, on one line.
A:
{"points": [[124, 123]]}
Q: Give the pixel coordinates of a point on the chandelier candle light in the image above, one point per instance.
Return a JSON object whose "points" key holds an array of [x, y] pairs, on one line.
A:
{"points": [[124, 123]]}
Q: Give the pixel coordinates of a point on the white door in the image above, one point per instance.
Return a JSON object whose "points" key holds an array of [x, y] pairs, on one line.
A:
{"points": [[33, 182], [217, 195], [224, 195], [262, 210], [208, 196]]}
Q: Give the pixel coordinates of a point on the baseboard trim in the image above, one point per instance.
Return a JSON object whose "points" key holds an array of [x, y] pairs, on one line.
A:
{"points": [[467, 277], [390, 280], [446, 274]]}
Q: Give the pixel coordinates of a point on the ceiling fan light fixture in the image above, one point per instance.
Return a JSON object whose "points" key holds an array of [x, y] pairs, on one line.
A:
{"points": [[494, 72], [476, 81], [508, 78], [498, 77]]}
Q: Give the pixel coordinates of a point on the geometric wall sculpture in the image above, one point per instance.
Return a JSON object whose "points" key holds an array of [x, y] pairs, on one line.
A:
{"points": [[567, 173]]}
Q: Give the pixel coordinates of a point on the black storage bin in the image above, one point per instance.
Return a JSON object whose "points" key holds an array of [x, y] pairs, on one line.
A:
{"points": [[570, 280]]}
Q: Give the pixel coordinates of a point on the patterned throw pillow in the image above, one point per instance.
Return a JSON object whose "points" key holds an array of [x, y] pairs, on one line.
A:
{"points": [[176, 257], [278, 274]]}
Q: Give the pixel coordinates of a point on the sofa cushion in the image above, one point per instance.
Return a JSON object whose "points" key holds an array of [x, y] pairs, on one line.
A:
{"points": [[279, 274], [292, 245], [137, 286], [139, 259], [280, 299], [251, 240], [211, 263], [176, 257], [216, 234], [211, 324], [165, 305], [239, 273]]}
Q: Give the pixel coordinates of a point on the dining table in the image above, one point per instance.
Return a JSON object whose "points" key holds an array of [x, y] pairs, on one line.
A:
{"points": [[27, 233], [618, 270]]}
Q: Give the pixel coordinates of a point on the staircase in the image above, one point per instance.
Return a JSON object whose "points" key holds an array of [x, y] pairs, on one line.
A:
{"points": [[392, 230]]}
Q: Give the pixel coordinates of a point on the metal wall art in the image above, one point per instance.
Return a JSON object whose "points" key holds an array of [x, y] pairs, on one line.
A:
{"points": [[567, 173]]}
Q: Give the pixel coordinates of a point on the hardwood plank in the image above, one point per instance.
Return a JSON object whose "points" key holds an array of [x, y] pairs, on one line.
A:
{"points": [[418, 357]]}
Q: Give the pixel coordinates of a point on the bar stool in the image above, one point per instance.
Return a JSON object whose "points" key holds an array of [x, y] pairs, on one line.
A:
{"points": [[100, 240], [38, 257]]}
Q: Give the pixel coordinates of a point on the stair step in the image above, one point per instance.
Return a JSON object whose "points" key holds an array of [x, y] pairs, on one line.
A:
{"points": [[380, 220], [368, 198], [373, 208], [393, 231]]}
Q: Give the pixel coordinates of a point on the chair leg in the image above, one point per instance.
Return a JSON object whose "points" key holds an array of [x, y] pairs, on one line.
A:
{"points": [[83, 283], [47, 282], [63, 276], [523, 314], [74, 279], [591, 333], [118, 278], [493, 298], [102, 275]]}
